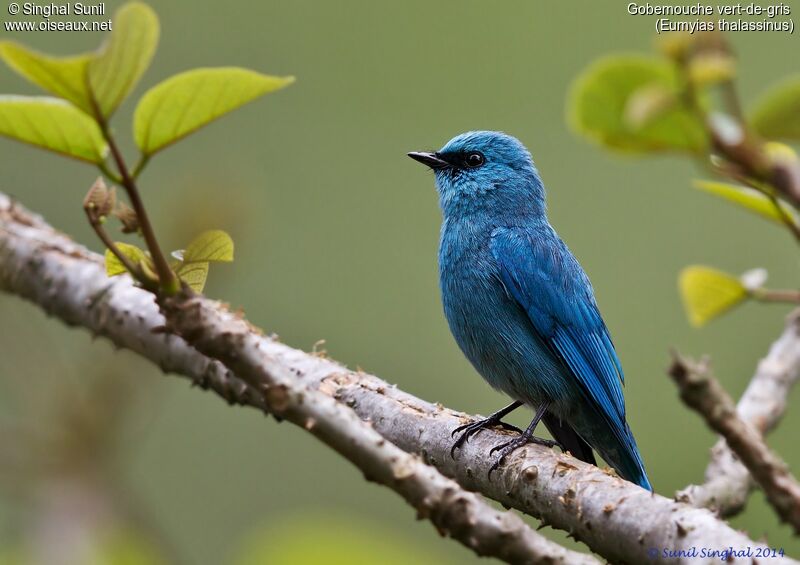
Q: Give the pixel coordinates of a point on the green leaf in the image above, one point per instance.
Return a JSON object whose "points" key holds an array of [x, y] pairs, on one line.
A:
{"points": [[749, 199], [708, 293], [711, 68], [124, 57], [212, 245], [193, 262], [648, 103], [109, 74], [61, 76], [599, 107], [194, 274], [186, 102], [115, 267], [777, 113], [52, 124]]}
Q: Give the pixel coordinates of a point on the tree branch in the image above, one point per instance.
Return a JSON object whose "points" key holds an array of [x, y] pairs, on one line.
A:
{"points": [[291, 392], [704, 394], [727, 481], [282, 390], [167, 279], [615, 518]]}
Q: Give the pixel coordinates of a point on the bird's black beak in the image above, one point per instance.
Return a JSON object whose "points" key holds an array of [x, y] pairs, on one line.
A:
{"points": [[430, 159]]}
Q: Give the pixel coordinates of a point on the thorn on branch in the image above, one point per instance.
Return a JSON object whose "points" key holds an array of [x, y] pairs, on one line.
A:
{"points": [[704, 394]]}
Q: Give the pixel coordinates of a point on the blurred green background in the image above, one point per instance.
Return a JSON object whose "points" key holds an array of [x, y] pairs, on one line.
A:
{"points": [[336, 233]]}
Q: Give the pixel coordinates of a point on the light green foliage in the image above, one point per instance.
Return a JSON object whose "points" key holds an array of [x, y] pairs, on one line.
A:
{"points": [[777, 114], [90, 87], [186, 102], [648, 103], [677, 103], [53, 124], [64, 77], [711, 68], [607, 100], [749, 199], [193, 274], [213, 246], [708, 293], [124, 57], [104, 77], [115, 267]]}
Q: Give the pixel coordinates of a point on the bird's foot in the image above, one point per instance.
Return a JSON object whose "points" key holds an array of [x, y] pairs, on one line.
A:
{"points": [[469, 430], [509, 447]]}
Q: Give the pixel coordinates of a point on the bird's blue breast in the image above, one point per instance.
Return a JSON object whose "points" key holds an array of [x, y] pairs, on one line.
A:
{"points": [[490, 327]]}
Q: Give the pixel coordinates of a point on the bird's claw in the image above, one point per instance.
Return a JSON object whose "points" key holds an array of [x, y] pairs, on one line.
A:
{"points": [[468, 430], [509, 447], [460, 428], [473, 428]]}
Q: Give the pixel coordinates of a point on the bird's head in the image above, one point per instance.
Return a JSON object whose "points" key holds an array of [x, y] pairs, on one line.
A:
{"points": [[485, 171]]}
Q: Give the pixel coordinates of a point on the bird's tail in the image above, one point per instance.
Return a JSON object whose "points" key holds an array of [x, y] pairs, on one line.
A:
{"points": [[628, 461], [623, 455], [568, 438]]}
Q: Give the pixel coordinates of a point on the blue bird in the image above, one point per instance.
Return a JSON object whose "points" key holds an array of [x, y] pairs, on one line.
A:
{"points": [[521, 307]]}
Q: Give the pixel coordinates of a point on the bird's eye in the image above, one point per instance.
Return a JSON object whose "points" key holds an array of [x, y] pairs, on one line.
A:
{"points": [[474, 159]]}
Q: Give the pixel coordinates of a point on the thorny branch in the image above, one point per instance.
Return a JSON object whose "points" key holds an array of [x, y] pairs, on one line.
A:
{"points": [[704, 394], [285, 393], [290, 394], [616, 519], [727, 481]]}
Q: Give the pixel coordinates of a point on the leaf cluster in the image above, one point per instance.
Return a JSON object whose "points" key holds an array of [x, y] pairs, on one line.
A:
{"points": [[191, 265], [83, 93], [683, 101]]}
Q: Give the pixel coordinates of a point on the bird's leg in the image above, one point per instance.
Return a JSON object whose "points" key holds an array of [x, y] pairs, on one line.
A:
{"points": [[474, 427], [526, 437]]}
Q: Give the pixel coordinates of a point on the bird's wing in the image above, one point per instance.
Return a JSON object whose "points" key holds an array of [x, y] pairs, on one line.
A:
{"points": [[541, 274]]}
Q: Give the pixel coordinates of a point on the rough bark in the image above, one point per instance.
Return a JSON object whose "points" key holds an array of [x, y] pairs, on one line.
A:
{"points": [[727, 482], [43, 265], [616, 519], [702, 392]]}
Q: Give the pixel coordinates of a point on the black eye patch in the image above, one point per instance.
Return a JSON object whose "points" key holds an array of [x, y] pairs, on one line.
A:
{"points": [[463, 159]]}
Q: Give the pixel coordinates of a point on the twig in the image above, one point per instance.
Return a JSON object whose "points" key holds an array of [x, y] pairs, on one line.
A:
{"points": [[615, 518], [775, 295], [727, 482], [111, 246], [786, 218], [281, 389], [703, 393], [168, 280], [784, 176], [735, 141]]}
